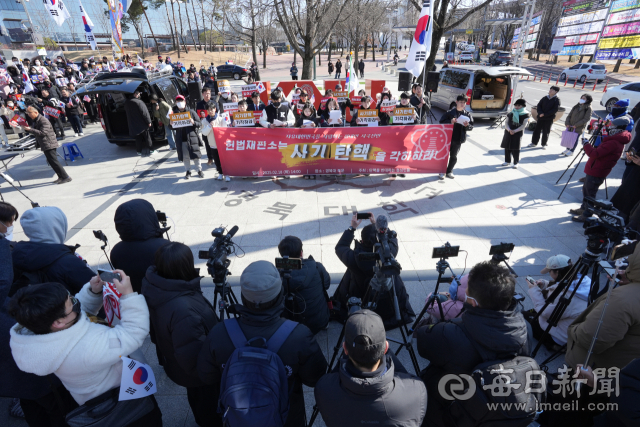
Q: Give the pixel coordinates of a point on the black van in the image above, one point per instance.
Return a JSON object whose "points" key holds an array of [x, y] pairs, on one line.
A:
{"points": [[114, 89]]}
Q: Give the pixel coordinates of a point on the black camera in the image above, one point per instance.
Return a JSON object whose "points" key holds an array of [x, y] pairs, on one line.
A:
{"points": [[607, 228], [98, 234], [218, 252]]}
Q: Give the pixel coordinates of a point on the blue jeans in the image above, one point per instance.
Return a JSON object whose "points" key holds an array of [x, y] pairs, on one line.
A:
{"points": [[169, 133], [75, 122]]}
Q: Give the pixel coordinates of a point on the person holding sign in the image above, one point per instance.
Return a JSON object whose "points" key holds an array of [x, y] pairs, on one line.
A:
{"points": [[385, 118], [201, 109], [514, 128], [53, 111], [404, 113], [187, 135], [372, 115], [332, 116], [214, 120], [242, 108], [72, 110], [161, 112], [462, 121], [277, 114], [307, 118]]}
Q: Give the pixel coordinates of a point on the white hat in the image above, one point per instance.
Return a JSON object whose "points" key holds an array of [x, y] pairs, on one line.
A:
{"points": [[556, 262]]}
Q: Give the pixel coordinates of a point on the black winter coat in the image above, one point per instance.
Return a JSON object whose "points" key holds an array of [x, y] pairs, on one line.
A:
{"points": [[355, 281], [141, 236], [181, 317], [422, 112], [15, 383], [300, 354], [512, 142], [338, 67], [459, 131], [497, 334], [138, 116], [189, 135], [361, 65], [44, 134], [548, 107], [309, 285], [627, 412], [387, 397], [75, 110], [57, 261]]}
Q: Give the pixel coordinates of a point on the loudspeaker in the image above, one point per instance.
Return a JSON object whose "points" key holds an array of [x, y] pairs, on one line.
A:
{"points": [[404, 81], [433, 79], [195, 93]]}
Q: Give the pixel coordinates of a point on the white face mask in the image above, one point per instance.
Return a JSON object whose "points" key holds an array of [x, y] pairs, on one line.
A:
{"points": [[9, 233], [582, 101], [37, 62], [225, 95], [181, 104]]}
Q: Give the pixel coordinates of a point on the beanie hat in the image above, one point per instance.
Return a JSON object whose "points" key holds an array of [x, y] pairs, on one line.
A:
{"points": [[622, 103], [260, 282], [621, 122]]}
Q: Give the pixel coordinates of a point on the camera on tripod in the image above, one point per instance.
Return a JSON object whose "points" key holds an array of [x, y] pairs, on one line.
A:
{"points": [[607, 227], [218, 253]]}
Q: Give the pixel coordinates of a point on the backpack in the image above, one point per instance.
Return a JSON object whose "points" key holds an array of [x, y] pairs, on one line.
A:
{"points": [[25, 278], [254, 389], [485, 408]]}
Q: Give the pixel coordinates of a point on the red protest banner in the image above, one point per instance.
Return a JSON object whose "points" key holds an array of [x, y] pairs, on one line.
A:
{"points": [[19, 121], [393, 149], [52, 111]]}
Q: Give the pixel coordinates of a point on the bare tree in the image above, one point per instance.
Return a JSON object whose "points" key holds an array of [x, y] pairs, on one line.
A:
{"points": [[246, 23], [307, 25], [267, 33]]}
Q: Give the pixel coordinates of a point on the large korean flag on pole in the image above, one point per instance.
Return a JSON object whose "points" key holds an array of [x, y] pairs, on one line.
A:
{"points": [[88, 27], [421, 44], [137, 380], [57, 10]]}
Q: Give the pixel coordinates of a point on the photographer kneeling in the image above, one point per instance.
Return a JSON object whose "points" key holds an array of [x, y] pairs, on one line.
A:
{"points": [[308, 287], [370, 385], [355, 281], [55, 335], [489, 329]]}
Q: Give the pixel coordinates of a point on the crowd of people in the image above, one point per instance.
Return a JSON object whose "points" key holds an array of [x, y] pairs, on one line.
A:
{"points": [[61, 352]]}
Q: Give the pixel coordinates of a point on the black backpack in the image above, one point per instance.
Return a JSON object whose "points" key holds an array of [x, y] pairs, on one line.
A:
{"points": [[22, 279], [506, 401]]}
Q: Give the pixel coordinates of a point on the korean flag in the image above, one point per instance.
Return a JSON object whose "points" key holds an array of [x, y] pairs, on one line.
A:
{"points": [[137, 380]]}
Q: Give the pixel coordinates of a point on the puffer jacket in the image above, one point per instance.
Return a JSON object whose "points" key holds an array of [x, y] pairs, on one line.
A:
{"points": [[300, 354], [207, 128], [44, 134], [189, 134], [606, 155], [309, 286], [388, 396], [181, 317], [577, 305], [141, 236], [619, 336], [579, 117], [355, 281]]}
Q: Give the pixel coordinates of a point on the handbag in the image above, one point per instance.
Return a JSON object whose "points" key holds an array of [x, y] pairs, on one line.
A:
{"points": [[569, 139], [106, 411]]}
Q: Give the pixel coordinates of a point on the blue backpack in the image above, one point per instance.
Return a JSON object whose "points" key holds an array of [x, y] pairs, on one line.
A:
{"points": [[254, 391]]}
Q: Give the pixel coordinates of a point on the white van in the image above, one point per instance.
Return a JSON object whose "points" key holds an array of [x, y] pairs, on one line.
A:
{"points": [[489, 89]]}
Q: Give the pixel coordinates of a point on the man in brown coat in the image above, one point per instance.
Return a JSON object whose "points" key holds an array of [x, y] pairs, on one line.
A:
{"points": [[47, 142], [619, 336]]}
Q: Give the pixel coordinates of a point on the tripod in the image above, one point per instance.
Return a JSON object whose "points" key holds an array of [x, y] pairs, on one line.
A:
{"points": [[592, 140], [10, 181], [587, 262], [223, 295], [430, 117]]}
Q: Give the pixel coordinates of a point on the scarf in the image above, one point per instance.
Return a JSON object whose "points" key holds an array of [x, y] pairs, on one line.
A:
{"points": [[516, 115]]}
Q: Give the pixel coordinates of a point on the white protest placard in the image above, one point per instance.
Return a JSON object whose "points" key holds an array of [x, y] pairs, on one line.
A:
{"points": [[463, 120], [341, 96], [403, 115], [248, 90], [180, 120], [334, 117], [230, 107], [137, 380], [243, 119], [368, 117]]}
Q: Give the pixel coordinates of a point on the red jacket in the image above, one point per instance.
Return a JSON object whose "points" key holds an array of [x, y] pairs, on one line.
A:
{"points": [[605, 156]]}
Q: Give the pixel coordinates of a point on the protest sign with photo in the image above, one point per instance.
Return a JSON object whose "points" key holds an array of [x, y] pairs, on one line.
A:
{"points": [[180, 120]]}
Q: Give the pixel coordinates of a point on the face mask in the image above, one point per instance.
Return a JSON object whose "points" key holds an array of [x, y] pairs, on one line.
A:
{"points": [[181, 105], [9, 233], [77, 308], [37, 62], [9, 105], [225, 95], [582, 101], [276, 103], [617, 111]]}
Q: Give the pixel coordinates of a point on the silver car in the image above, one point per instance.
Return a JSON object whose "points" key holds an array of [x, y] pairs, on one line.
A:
{"points": [[490, 89]]}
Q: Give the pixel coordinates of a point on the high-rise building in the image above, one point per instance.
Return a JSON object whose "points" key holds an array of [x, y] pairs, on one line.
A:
{"points": [[12, 17]]}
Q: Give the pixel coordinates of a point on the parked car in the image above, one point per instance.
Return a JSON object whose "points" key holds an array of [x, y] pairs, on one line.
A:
{"points": [[584, 72], [465, 56], [489, 89], [235, 72], [114, 89], [629, 91], [500, 57]]}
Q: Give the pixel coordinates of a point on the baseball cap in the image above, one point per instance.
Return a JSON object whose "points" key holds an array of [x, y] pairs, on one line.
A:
{"points": [[556, 262], [364, 334], [260, 282], [179, 97]]}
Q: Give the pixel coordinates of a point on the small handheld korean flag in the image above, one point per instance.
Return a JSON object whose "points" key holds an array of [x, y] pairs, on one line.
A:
{"points": [[421, 44], [137, 380], [260, 87]]}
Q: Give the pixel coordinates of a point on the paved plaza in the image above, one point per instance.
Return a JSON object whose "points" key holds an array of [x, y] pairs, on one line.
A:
{"points": [[484, 205]]}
